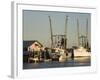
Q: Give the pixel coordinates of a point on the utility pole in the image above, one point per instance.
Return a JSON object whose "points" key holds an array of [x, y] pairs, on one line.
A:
{"points": [[78, 32], [51, 32]]}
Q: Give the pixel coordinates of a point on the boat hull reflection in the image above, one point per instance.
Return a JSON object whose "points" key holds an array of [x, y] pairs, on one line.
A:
{"points": [[76, 62]]}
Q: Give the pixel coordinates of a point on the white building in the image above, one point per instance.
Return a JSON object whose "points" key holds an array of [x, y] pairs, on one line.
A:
{"points": [[35, 46]]}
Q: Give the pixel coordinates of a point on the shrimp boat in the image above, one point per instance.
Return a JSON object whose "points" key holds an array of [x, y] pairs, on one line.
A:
{"points": [[81, 52]]}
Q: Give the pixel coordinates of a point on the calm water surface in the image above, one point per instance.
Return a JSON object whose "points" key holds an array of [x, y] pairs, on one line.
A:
{"points": [[76, 62]]}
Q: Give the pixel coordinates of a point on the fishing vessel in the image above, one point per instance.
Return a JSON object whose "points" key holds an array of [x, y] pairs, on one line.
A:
{"points": [[81, 52]]}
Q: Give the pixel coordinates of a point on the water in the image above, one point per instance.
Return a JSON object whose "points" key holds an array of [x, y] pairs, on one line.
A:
{"points": [[76, 62]]}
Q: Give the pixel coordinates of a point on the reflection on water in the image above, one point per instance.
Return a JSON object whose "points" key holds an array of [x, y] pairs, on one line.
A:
{"points": [[79, 61]]}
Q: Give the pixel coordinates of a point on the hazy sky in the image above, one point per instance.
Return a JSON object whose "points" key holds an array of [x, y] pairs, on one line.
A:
{"points": [[36, 25]]}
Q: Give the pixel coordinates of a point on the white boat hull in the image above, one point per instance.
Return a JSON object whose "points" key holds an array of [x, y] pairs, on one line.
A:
{"points": [[81, 53]]}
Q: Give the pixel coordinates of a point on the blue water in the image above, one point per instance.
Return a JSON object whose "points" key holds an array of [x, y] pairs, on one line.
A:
{"points": [[76, 62]]}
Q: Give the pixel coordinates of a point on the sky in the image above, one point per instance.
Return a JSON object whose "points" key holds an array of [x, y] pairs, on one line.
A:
{"points": [[36, 26]]}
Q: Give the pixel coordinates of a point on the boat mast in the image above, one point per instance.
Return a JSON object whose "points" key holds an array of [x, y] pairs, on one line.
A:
{"points": [[65, 44], [51, 32], [78, 32], [87, 45]]}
